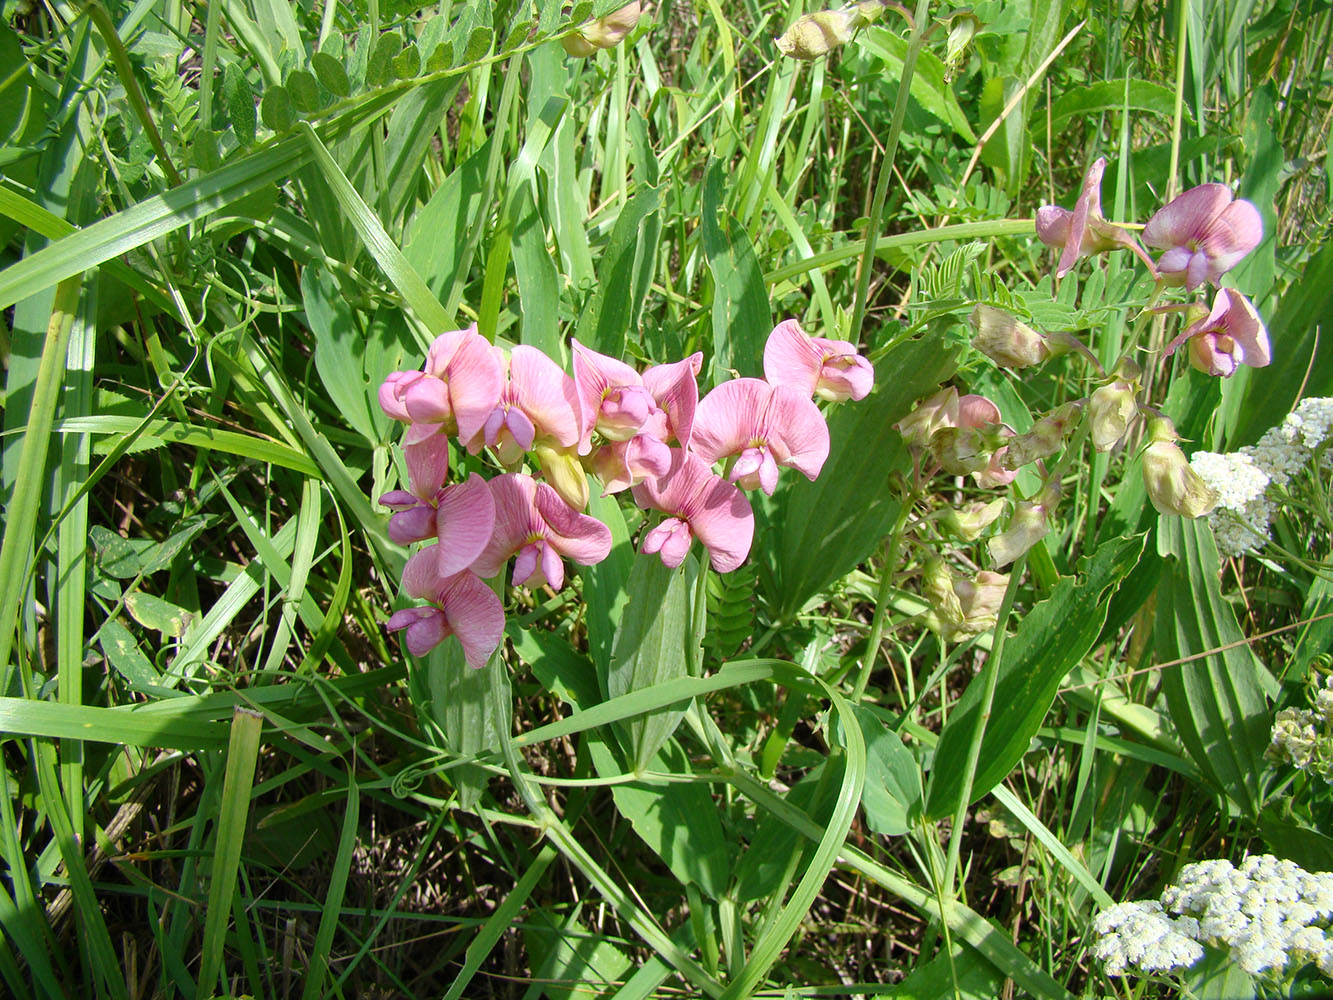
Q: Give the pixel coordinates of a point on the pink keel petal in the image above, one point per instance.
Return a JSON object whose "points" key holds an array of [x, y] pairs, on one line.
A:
{"points": [[427, 401], [527, 566], [415, 524], [671, 539], [425, 628], [552, 568]]}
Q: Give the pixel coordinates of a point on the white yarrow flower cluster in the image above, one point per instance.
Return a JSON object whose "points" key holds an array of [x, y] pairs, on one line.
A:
{"points": [[1271, 915], [1242, 479], [1140, 937], [1303, 737]]}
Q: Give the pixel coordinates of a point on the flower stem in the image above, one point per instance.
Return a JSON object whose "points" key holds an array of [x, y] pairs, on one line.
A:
{"points": [[914, 46], [992, 669], [881, 603]]}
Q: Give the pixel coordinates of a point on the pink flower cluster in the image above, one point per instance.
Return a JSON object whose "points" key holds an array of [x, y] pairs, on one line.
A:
{"points": [[1202, 233], [646, 432]]}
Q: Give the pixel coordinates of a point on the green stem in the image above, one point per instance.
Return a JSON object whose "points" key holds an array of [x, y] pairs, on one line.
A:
{"points": [[881, 603], [1177, 122], [992, 669], [914, 46]]}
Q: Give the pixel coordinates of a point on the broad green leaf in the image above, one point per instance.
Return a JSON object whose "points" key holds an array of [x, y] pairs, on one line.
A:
{"points": [[811, 534], [928, 84], [331, 74], [655, 642], [1051, 638], [123, 651], [239, 101], [379, 67], [571, 961], [157, 614], [1215, 698], [457, 707], [768, 859], [277, 109], [1297, 326], [623, 277], [15, 84], [304, 91], [561, 669], [678, 820], [412, 131], [741, 314], [959, 977], [340, 353], [892, 796], [438, 232], [604, 586], [1133, 96], [538, 280]]}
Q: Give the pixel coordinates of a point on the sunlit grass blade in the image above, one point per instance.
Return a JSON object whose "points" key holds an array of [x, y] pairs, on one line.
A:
{"points": [[229, 837]]}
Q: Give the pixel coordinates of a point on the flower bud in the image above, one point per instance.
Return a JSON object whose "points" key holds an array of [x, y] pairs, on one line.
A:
{"points": [[819, 33], [1173, 487], [602, 33], [563, 471], [960, 451], [1110, 409], [961, 608], [969, 522], [931, 414], [963, 25], [1006, 341], [1029, 525], [1045, 438]]}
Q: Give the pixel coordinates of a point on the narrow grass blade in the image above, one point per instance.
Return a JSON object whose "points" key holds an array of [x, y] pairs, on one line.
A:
{"points": [[242, 756], [333, 899]]}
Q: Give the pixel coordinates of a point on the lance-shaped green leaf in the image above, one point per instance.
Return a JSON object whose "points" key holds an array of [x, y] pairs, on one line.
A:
{"points": [[1215, 698], [742, 317], [655, 643]]}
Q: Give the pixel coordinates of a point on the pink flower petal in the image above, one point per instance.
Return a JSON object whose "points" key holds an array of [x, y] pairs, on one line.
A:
{"points": [[584, 539], [717, 512], [675, 387], [475, 616], [515, 521], [415, 524], [476, 379], [1186, 216], [427, 401], [791, 358], [427, 464], [421, 574], [796, 432], [464, 524], [1086, 208], [594, 375], [546, 394], [425, 628]]}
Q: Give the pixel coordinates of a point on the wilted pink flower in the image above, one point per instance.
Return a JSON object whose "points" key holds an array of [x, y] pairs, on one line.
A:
{"points": [[538, 401], [533, 521], [700, 505], [1172, 484], [763, 426], [829, 369], [1228, 337], [456, 391], [1205, 233], [1084, 230], [461, 605], [931, 414], [603, 33]]}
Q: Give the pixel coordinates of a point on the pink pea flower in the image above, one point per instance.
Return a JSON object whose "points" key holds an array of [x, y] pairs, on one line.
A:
{"points": [[461, 605], [456, 391], [622, 464], [1228, 337], [675, 390], [538, 401], [461, 516], [829, 369], [532, 521], [613, 400], [763, 426], [1205, 233], [699, 504], [1084, 230]]}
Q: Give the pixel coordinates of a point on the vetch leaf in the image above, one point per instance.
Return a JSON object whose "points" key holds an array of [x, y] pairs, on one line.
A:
{"points": [[331, 74], [239, 101], [892, 796], [161, 616], [127, 658], [304, 90], [277, 110]]}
